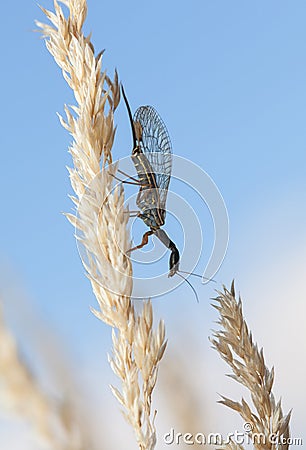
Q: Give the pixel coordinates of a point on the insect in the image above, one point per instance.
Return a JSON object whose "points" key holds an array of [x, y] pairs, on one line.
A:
{"points": [[152, 158]]}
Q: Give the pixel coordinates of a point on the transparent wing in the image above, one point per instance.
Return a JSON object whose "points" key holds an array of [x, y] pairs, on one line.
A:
{"points": [[153, 139]]}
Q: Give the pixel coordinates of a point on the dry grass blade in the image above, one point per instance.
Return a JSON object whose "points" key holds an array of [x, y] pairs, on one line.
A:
{"points": [[21, 394], [101, 221], [235, 345], [189, 407]]}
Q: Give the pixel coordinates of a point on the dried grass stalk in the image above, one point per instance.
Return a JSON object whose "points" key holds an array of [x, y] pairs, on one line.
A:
{"points": [[20, 393], [101, 221], [188, 408], [235, 345]]}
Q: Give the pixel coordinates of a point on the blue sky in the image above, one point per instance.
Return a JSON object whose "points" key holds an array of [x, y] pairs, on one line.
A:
{"points": [[228, 78]]}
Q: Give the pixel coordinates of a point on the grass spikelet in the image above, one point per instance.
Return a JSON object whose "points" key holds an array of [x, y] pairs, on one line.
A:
{"points": [[234, 343], [101, 221]]}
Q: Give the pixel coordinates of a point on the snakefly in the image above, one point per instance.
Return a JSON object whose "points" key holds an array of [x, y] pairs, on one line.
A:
{"points": [[152, 158]]}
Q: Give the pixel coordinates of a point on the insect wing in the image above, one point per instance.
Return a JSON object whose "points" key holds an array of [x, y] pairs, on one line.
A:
{"points": [[153, 139]]}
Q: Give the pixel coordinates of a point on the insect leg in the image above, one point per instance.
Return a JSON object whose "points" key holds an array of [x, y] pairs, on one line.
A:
{"points": [[135, 182], [132, 213], [126, 182], [144, 241], [127, 175]]}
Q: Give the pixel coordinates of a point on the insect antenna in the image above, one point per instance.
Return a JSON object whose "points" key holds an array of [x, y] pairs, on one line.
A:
{"points": [[197, 275], [194, 291]]}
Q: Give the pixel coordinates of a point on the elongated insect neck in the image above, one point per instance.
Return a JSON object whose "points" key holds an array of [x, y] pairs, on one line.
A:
{"points": [[174, 260], [130, 116], [172, 246]]}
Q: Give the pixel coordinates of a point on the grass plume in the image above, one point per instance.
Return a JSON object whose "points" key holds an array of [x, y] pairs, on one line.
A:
{"points": [[234, 343], [100, 217]]}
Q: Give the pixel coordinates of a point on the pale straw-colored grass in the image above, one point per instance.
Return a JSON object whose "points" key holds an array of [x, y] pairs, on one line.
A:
{"points": [[102, 224], [184, 400], [52, 422], [235, 344]]}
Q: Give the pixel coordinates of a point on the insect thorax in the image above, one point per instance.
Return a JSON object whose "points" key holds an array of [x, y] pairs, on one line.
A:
{"points": [[153, 218]]}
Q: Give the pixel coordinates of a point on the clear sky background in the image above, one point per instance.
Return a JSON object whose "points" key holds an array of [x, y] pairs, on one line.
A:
{"points": [[228, 78]]}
